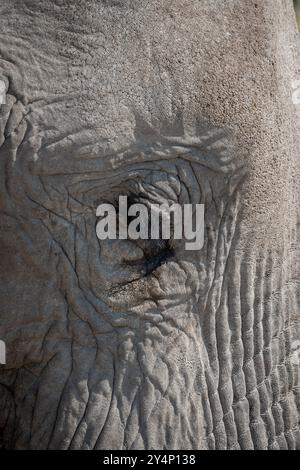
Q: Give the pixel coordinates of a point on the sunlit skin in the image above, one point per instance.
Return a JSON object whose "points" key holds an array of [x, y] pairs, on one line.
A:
{"points": [[118, 344]]}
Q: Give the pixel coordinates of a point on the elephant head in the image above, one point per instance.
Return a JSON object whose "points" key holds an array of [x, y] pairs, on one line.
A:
{"points": [[119, 344]]}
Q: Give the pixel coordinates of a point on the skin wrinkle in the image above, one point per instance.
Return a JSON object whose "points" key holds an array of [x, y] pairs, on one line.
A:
{"points": [[193, 306]]}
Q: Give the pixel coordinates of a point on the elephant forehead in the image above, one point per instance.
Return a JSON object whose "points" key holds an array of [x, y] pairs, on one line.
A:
{"points": [[102, 85], [99, 70]]}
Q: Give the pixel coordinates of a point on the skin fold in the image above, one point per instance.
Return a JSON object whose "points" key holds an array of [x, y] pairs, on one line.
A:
{"points": [[126, 345]]}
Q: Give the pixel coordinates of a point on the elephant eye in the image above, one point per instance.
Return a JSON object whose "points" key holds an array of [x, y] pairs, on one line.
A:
{"points": [[157, 251]]}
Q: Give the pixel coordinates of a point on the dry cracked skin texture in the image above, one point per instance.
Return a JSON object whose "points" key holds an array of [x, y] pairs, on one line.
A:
{"points": [[114, 345]]}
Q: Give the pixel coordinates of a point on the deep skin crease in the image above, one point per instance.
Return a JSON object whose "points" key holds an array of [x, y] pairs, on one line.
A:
{"points": [[123, 345]]}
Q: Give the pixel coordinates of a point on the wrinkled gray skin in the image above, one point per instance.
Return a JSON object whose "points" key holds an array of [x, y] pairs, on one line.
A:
{"points": [[125, 345]]}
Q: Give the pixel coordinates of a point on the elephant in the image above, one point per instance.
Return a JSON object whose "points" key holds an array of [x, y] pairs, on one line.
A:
{"points": [[124, 344]]}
